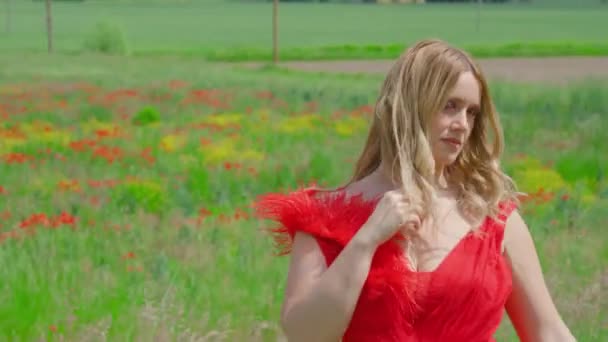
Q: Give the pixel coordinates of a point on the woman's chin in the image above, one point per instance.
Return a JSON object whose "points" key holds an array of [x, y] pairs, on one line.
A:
{"points": [[446, 161]]}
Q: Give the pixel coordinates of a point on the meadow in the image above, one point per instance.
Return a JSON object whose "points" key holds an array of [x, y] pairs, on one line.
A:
{"points": [[126, 181], [126, 191], [242, 30]]}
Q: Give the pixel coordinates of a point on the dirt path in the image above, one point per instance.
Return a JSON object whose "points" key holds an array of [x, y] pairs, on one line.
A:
{"points": [[555, 70]]}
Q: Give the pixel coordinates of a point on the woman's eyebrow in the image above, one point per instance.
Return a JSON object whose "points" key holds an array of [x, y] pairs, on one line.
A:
{"points": [[462, 100]]}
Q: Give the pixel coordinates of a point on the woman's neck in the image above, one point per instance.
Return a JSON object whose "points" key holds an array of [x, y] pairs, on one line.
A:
{"points": [[440, 182]]}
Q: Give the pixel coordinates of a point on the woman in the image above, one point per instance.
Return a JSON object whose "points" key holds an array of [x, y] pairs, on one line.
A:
{"points": [[424, 242]]}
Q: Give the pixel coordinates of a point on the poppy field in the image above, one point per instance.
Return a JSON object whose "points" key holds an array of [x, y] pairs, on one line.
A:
{"points": [[125, 206]]}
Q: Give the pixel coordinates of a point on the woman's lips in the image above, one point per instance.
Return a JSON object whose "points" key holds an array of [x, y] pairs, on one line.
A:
{"points": [[453, 141]]}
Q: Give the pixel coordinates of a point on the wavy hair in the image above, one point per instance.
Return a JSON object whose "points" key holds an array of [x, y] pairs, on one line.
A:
{"points": [[417, 87]]}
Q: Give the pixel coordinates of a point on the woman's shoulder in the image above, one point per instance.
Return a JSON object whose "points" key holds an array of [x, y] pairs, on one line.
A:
{"points": [[496, 222], [331, 215], [294, 206], [506, 207], [311, 200]]}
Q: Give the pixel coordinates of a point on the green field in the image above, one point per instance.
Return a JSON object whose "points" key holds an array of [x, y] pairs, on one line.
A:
{"points": [[240, 30], [125, 189], [126, 181]]}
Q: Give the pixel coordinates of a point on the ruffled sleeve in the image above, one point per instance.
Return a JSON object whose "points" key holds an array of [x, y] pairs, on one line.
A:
{"points": [[293, 212]]}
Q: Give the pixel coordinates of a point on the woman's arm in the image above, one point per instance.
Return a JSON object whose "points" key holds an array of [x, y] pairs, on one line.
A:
{"points": [[530, 306], [319, 301]]}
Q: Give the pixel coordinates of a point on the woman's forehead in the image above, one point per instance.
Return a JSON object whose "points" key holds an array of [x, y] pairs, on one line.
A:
{"points": [[466, 89]]}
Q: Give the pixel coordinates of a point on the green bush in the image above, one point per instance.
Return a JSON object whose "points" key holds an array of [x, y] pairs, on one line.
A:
{"points": [[107, 38], [147, 195], [145, 116]]}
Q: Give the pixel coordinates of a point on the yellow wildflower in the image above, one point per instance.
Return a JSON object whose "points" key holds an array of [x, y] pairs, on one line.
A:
{"points": [[172, 142], [350, 125], [223, 119], [94, 125], [37, 132], [530, 175], [300, 123], [226, 150]]}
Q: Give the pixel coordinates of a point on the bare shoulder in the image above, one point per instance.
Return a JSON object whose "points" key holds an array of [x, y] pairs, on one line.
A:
{"points": [[516, 229], [518, 242]]}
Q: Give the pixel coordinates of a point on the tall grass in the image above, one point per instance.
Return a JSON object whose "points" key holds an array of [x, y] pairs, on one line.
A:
{"points": [[126, 185]]}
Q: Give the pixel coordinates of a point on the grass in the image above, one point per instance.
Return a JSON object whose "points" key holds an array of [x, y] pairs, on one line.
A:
{"points": [[237, 31], [390, 51], [125, 189]]}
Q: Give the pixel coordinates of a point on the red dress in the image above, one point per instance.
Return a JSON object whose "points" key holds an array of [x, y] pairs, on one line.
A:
{"points": [[461, 300]]}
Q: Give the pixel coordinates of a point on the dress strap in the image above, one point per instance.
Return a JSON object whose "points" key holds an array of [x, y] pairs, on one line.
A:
{"points": [[505, 210], [499, 225]]}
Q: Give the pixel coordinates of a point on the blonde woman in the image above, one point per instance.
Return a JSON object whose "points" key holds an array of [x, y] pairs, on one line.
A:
{"points": [[424, 243]]}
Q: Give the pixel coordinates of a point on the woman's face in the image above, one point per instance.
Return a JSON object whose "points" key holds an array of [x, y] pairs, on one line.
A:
{"points": [[451, 127]]}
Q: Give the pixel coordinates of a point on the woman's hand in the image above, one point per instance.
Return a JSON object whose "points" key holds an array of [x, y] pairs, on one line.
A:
{"points": [[394, 211]]}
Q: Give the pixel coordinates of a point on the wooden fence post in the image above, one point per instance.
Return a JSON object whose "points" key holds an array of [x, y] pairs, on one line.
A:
{"points": [[49, 26], [275, 33], [478, 26], [8, 16]]}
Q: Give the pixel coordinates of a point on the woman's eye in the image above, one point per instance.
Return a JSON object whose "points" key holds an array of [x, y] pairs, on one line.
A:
{"points": [[450, 105]]}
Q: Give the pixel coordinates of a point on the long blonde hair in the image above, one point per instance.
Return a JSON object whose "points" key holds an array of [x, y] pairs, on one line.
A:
{"points": [[415, 89]]}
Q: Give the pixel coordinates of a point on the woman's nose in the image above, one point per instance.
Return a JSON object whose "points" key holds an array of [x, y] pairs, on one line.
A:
{"points": [[461, 120]]}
